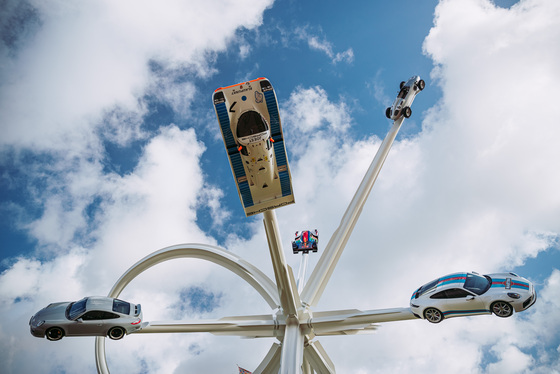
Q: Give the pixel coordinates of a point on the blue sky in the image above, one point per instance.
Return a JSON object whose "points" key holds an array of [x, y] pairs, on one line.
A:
{"points": [[111, 150]]}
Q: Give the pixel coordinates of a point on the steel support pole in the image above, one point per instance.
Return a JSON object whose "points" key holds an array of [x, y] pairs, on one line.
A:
{"points": [[302, 271], [323, 270], [289, 297], [291, 361]]}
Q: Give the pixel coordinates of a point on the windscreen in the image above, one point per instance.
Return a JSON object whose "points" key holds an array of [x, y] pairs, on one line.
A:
{"points": [[76, 309], [250, 123]]}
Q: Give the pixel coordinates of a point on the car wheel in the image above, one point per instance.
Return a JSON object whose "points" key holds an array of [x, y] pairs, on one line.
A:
{"points": [[54, 333], [407, 112], [116, 333], [401, 85], [501, 309], [421, 84], [433, 315], [388, 113]]}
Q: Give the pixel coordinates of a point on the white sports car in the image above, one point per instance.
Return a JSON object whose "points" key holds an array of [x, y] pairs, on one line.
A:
{"points": [[91, 316], [466, 294], [407, 93]]}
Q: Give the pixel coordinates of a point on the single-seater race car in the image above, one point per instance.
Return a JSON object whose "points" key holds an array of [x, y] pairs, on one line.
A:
{"points": [[252, 132], [90, 316], [405, 97], [306, 241], [466, 294]]}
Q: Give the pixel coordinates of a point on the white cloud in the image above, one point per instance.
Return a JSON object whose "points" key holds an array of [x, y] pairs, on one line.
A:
{"points": [[308, 109], [323, 45], [88, 58]]}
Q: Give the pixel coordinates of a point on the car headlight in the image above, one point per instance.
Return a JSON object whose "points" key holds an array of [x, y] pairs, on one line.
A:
{"points": [[39, 323], [414, 306], [514, 295]]}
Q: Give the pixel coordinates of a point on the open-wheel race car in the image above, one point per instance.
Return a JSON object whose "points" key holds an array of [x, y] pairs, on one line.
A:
{"points": [[306, 241], [405, 97]]}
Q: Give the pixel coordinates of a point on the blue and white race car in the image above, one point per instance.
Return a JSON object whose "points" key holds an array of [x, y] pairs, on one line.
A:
{"points": [[407, 93], [466, 294], [250, 124]]}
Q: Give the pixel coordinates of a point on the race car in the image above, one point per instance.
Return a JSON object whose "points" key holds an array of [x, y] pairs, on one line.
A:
{"points": [[90, 316], [467, 294], [252, 132], [306, 241], [407, 93]]}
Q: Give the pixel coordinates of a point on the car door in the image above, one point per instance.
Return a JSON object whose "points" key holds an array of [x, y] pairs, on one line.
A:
{"points": [[88, 324], [455, 302]]}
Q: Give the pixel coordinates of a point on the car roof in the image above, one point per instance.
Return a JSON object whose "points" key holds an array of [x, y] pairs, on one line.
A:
{"points": [[99, 303]]}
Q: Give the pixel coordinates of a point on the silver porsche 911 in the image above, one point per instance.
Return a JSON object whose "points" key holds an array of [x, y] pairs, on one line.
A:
{"points": [[90, 316]]}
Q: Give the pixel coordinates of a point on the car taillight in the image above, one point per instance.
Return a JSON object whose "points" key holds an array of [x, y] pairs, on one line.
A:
{"points": [[136, 322]]}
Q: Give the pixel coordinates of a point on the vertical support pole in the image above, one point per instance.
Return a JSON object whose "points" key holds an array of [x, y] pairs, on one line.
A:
{"points": [[289, 298], [292, 348], [291, 359], [302, 271], [324, 268]]}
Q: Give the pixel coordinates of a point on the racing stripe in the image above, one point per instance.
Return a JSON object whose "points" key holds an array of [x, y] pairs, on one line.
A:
{"points": [[454, 278], [501, 282], [465, 312]]}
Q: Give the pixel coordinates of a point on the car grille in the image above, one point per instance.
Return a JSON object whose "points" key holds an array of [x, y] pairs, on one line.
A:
{"points": [[527, 302]]}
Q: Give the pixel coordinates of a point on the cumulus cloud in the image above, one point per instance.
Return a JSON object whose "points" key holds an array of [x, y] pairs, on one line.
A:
{"points": [[309, 109]]}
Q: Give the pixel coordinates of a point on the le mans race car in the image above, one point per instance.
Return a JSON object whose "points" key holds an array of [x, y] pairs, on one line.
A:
{"points": [[466, 294], [90, 316], [250, 124], [407, 93], [305, 241]]}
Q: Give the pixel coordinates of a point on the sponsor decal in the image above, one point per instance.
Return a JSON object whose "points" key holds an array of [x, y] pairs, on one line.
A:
{"points": [[258, 97], [270, 208], [241, 89]]}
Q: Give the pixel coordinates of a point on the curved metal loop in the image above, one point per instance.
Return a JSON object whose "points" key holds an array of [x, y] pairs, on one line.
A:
{"points": [[252, 275]]}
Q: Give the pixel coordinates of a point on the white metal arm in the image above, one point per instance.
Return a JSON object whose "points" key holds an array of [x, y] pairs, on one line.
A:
{"points": [[323, 270]]}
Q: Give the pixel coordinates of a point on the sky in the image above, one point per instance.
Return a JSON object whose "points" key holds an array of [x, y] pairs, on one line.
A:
{"points": [[111, 150]]}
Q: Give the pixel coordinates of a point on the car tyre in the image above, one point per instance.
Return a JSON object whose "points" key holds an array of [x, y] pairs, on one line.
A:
{"points": [[421, 84], [116, 333], [388, 113], [407, 112], [54, 333], [501, 309], [433, 315]]}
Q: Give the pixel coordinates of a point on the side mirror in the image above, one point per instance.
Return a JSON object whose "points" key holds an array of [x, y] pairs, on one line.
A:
{"points": [[470, 297], [79, 320]]}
